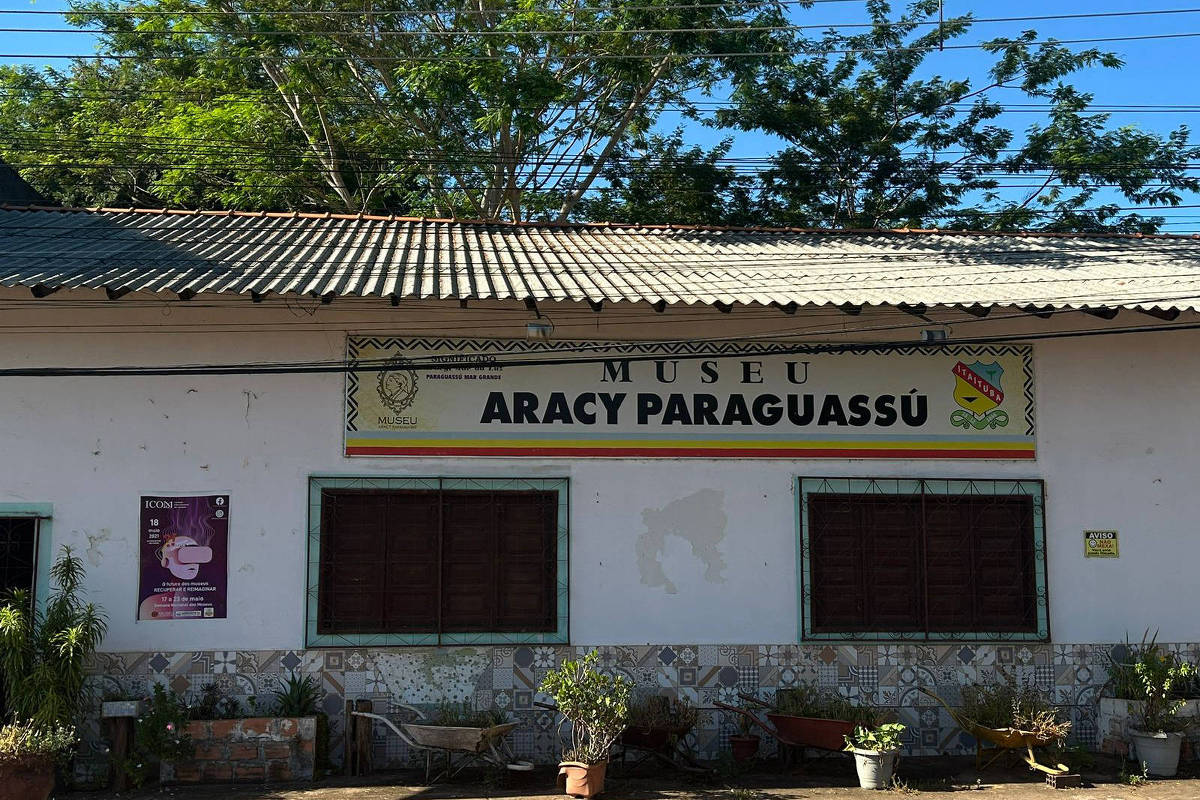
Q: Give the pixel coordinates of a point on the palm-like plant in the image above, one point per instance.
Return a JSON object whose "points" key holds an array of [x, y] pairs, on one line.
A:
{"points": [[44, 652]]}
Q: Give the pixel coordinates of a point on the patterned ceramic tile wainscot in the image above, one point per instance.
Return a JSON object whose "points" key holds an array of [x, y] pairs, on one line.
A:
{"points": [[507, 677]]}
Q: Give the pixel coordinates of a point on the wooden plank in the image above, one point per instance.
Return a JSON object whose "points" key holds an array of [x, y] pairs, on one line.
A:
{"points": [[362, 742]]}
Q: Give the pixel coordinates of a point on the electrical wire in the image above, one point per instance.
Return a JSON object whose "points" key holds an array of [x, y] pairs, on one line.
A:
{"points": [[524, 9], [417, 364], [581, 57], [225, 95], [749, 28]]}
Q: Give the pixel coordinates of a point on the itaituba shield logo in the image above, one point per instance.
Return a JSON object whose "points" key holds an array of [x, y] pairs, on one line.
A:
{"points": [[397, 384], [979, 395]]}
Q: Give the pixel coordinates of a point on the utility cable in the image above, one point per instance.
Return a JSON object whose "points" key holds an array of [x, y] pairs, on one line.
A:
{"points": [[656, 56]]}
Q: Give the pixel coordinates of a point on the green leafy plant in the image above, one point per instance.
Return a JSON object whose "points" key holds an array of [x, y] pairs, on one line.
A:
{"points": [[595, 704], [44, 652], [806, 700], [1134, 778], [663, 713], [1162, 675], [881, 739], [26, 743], [298, 697], [159, 735]]}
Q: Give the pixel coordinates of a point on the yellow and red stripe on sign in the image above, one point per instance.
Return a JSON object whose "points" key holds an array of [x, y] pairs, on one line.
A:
{"points": [[689, 449]]}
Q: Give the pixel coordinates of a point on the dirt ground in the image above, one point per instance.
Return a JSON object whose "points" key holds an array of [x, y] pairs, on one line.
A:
{"points": [[829, 779]]}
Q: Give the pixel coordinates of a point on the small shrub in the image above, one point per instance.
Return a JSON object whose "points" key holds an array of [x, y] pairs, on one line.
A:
{"points": [[210, 704], [1009, 704], [808, 701], [663, 713], [462, 715], [159, 735]]}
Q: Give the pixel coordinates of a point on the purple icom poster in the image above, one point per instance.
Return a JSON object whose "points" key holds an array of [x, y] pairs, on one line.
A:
{"points": [[184, 547]]}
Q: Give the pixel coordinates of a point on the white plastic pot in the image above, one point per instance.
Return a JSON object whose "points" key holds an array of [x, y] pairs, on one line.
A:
{"points": [[1159, 751], [875, 767]]}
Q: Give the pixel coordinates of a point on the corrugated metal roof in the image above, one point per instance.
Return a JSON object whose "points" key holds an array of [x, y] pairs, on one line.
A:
{"points": [[340, 255]]}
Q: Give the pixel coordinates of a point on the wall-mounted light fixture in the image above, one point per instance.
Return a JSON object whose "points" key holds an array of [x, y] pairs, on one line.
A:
{"points": [[540, 328], [933, 335]]}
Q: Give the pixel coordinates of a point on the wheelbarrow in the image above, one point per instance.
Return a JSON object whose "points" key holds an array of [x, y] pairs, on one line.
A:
{"points": [[472, 745], [795, 733], [1002, 740]]}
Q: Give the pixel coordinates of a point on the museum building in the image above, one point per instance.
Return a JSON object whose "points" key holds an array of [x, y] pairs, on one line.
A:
{"points": [[427, 460]]}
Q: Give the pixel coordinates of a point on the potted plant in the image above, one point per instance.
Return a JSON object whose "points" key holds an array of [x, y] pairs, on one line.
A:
{"points": [[28, 754], [597, 707], [1123, 698], [875, 751], [1158, 734], [745, 744]]}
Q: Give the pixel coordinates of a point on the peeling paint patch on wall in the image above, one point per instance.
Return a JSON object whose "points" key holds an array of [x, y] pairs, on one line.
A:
{"points": [[699, 519], [94, 541]]}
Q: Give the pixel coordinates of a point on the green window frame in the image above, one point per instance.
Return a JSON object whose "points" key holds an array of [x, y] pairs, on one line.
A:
{"points": [[44, 548], [316, 487], [807, 488]]}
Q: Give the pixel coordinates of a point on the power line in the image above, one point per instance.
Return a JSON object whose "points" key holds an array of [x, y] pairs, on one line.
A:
{"points": [[221, 96], [526, 174], [435, 11], [749, 28], [657, 56], [918, 163], [416, 364]]}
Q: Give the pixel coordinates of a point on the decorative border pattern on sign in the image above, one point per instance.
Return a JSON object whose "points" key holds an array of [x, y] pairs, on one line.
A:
{"points": [[355, 343]]}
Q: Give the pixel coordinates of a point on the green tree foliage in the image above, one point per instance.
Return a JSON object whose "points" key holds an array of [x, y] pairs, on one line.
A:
{"points": [[481, 108], [44, 653], [871, 139], [547, 109], [659, 179]]}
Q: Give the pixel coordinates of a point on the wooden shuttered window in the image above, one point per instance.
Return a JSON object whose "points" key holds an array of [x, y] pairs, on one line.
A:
{"points": [[921, 564], [437, 561]]}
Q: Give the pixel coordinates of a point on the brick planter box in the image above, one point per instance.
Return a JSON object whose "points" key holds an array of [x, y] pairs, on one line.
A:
{"points": [[251, 750]]}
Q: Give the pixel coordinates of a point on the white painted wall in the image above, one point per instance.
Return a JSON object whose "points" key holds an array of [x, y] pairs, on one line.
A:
{"points": [[1118, 447]]}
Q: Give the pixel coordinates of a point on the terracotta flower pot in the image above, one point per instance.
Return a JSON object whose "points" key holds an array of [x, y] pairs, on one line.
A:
{"points": [[581, 780], [27, 779], [744, 747]]}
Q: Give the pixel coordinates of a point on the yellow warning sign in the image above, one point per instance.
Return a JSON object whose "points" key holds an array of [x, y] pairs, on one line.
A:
{"points": [[1100, 544]]}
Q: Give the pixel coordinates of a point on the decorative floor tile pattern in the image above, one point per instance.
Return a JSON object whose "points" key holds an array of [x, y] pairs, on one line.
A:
{"points": [[507, 677]]}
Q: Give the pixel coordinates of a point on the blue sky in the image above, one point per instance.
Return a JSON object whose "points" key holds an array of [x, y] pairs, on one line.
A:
{"points": [[1157, 72]]}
